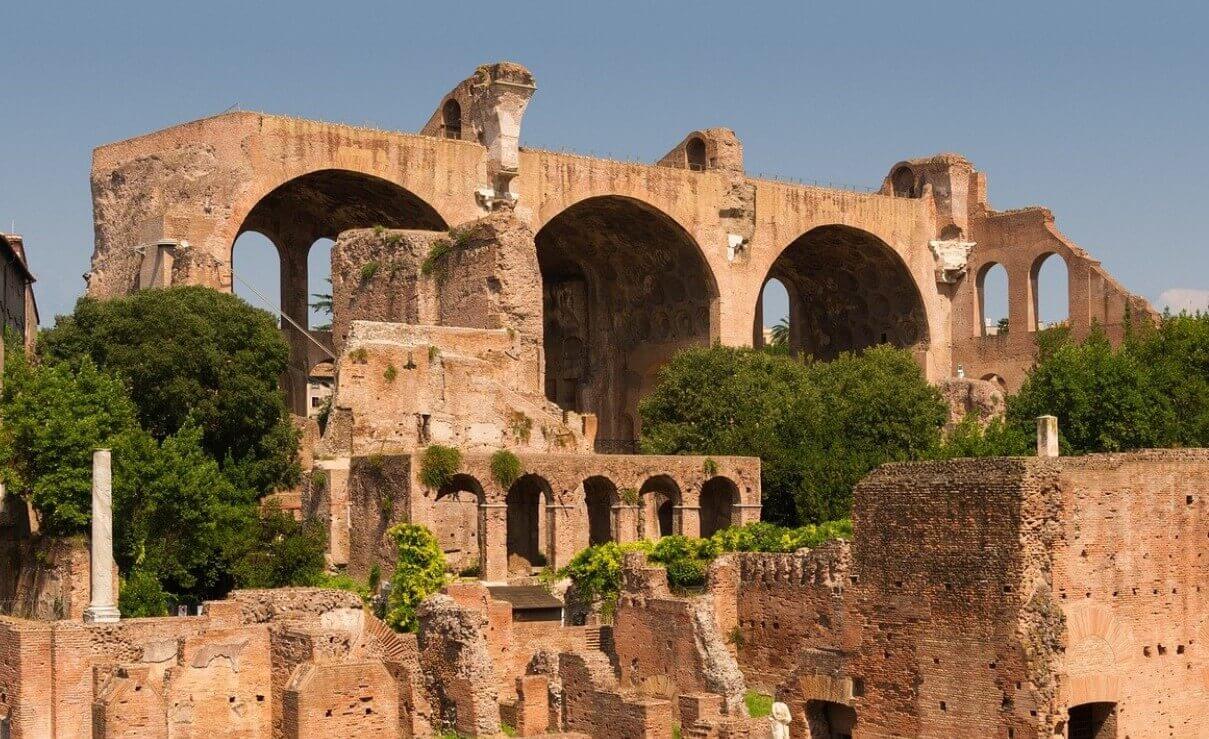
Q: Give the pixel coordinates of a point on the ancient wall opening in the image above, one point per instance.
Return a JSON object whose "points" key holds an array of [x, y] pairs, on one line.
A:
{"points": [[528, 536], [827, 720], [451, 119], [903, 183], [624, 287], [1092, 721], [719, 496], [694, 153], [847, 290], [991, 307], [600, 495], [320, 205], [1049, 292], [659, 499], [455, 521], [772, 315]]}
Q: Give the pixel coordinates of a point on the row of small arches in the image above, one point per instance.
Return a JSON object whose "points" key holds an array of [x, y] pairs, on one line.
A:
{"points": [[1046, 294]]}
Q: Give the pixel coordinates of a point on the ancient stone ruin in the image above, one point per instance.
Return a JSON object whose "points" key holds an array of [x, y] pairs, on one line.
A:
{"points": [[489, 297]]}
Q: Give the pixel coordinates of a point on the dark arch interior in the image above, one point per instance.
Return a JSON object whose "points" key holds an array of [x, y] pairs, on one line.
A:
{"points": [[1093, 721], [903, 183], [830, 720], [623, 287], [847, 291], [659, 495], [694, 152], [718, 498], [600, 494], [526, 522], [316, 206]]}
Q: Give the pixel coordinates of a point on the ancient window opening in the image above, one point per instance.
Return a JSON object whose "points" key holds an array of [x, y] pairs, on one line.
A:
{"points": [[828, 720], [951, 232], [1049, 292], [660, 500], [991, 307], [600, 495], [451, 119], [903, 183], [848, 290], [455, 522], [719, 496], [1092, 721], [694, 153], [773, 323], [624, 288], [526, 523]]}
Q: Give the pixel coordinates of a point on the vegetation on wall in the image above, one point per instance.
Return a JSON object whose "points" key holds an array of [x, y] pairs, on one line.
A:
{"points": [[437, 464], [595, 572], [419, 572], [505, 468]]}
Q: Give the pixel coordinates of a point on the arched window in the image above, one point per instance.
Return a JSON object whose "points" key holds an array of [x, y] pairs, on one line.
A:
{"points": [[903, 183], [455, 522], [694, 152], [1093, 721], [951, 232], [600, 494], [991, 316], [451, 119], [831, 720], [527, 524], [718, 498], [256, 265], [319, 284], [660, 496], [1049, 289], [772, 317]]}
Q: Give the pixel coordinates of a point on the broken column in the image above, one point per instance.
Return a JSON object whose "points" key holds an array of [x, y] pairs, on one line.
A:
{"points": [[102, 608], [1047, 436]]}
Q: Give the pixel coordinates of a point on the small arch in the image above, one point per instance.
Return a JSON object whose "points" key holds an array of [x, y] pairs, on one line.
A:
{"points": [[773, 321], [903, 183], [600, 495], [694, 154], [830, 719], [1092, 721], [719, 496], [660, 498], [319, 284], [1049, 292], [951, 232], [455, 521], [991, 307], [451, 119], [527, 547]]}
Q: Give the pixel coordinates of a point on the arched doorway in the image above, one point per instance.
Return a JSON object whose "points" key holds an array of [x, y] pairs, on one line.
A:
{"points": [[1092, 721], [314, 206], [624, 287], [600, 495], [659, 496], [847, 290], [455, 522], [718, 498], [526, 524], [992, 305], [1049, 290], [828, 720]]}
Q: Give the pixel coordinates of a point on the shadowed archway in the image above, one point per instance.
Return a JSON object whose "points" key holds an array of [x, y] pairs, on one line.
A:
{"points": [[624, 287], [848, 290]]}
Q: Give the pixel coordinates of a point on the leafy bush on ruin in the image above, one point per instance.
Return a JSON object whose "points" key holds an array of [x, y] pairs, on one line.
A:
{"points": [[505, 468], [437, 464], [419, 572]]}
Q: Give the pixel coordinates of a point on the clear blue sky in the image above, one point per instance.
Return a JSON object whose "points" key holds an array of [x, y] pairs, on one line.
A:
{"points": [[1097, 110]]}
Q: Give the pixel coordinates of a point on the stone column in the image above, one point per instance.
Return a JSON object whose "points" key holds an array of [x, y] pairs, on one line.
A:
{"points": [[1047, 436], [102, 608], [559, 517], [625, 522], [687, 521], [493, 528]]}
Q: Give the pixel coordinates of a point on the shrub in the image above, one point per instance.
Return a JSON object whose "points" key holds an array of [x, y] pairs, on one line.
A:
{"points": [[419, 572], [686, 573], [341, 581], [596, 571], [505, 468], [390, 373], [432, 263], [276, 551], [368, 270], [141, 595], [438, 464]]}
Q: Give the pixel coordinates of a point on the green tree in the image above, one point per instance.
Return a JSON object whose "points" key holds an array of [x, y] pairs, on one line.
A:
{"points": [[273, 550], [194, 353], [817, 427], [53, 420], [419, 572], [1175, 355], [780, 333], [1105, 399]]}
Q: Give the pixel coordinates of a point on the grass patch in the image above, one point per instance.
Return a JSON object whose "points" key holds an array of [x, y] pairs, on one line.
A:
{"points": [[436, 253], [505, 468], [438, 464], [758, 704], [368, 270]]}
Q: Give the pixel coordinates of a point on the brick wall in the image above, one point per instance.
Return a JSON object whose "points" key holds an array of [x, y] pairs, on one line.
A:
{"points": [[341, 699]]}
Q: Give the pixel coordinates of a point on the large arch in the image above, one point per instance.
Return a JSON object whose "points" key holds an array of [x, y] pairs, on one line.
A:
{"points": [[624, 287], [320, 205], [848, 290]]}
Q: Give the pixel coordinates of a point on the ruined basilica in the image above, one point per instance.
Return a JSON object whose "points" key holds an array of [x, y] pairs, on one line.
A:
{"points": [[488, 296]]}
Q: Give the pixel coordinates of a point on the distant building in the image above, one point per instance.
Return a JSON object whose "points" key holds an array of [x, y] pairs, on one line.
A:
{"points": [[16, 287], [319, 387]]}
